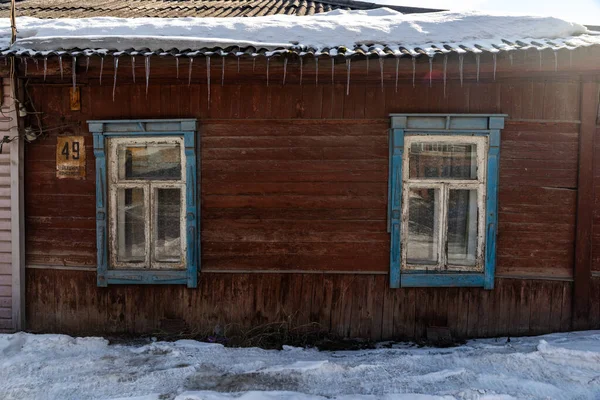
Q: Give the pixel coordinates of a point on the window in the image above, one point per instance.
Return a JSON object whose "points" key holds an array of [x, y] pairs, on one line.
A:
{"points": [[443, 199], [146, 201]]}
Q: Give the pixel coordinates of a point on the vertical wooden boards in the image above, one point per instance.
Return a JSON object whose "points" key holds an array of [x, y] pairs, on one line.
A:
{"points": [[540, 308], [585, 204], [566, 312], [340, 305], [501, 311], [404, 310], [594, 304]]}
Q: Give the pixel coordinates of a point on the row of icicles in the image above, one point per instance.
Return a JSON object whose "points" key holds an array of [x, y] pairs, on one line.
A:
{"points": [[285, 62]]}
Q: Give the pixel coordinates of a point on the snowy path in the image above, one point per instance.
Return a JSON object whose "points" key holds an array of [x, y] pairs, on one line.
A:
{"points": [[559, 366]]}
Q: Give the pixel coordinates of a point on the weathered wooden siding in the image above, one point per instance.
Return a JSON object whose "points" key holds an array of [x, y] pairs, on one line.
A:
{"points": [[346, 305], [6, 122], [589, 303], [595, 256], [294, 180]]}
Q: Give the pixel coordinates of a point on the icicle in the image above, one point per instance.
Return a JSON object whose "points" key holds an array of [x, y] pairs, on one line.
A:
{"points": [[177, 68], [570, 59], [414, 66], [494, 56], [367, 65], [147, 70], [208, 78], [510, 57], [477, 62], [332, 70], [381, 60], [74, 73], [222, 70], [45, 67], [238, 64], [190, 71], [87, 64], [430, 70], [115, 77], [316, 71], [133, 68], [555, 61], [37, 64], [445, 68], [301, 69], [25, 64], [348, 66], [397, 66], [540, 54], [461, 59], [253, 64], [61, 66], [268, 61], [285, 61], [101, 69]]}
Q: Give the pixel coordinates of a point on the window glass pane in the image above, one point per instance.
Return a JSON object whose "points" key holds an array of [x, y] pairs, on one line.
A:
{"points": [[149, 161], [131, 220], [167, 236], [430, 160], [462, 227], [423, 230]]}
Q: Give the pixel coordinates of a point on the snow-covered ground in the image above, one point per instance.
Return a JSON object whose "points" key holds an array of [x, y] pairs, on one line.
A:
{"points": [[558, 366]]}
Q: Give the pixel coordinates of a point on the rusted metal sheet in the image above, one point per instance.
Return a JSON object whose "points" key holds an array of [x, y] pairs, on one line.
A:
{"points": [[75, 99]]}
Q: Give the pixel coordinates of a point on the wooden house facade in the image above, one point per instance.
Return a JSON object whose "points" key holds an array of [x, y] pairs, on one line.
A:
{"points": [[289, 174]]}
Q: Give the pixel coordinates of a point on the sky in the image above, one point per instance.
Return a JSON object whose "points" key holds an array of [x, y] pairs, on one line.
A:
{"points": [[582, 11]]}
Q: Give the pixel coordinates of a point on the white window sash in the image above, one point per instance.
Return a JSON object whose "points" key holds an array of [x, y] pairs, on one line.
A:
{"points": [[155, 263], [150, 204], [444, 185], [115, 233]]}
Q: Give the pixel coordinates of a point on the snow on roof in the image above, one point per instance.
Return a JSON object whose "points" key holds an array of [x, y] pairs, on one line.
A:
{"points": [[381, 31]]}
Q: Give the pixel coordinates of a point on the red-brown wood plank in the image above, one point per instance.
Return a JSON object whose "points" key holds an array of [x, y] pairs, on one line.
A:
{"points": [[585, 204]]}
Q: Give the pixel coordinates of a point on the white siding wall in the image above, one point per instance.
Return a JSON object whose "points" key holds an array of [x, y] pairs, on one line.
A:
{"points": [[7, 121]]}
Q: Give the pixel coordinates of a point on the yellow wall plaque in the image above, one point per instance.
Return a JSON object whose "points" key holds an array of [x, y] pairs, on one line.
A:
{"points": [[70, 157]]}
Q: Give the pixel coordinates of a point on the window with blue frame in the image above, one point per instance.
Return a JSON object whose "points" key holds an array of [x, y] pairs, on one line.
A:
{"points": [[442, 199], [146, 201]]}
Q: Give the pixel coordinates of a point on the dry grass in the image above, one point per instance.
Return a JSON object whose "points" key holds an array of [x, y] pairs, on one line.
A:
{"points": [[273, 335]]}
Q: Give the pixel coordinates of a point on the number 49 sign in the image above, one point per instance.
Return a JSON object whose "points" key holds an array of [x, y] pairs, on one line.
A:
{"points": [[70, 157]]}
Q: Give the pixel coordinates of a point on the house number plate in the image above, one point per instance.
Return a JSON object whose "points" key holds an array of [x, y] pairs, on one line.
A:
{"points": [[70, 157]]}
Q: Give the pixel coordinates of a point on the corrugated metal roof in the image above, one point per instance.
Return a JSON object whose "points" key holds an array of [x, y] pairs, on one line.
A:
{"points": [[375, 51], [184, 8]]}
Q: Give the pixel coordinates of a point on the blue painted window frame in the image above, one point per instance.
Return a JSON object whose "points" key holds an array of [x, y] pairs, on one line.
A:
{"points": [[403, 125], [105, 129]]}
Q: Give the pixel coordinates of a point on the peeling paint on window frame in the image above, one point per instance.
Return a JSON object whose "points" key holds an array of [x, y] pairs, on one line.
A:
{"points": [[438, 126], [148, 186], [444, 185], [102, 131]]}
